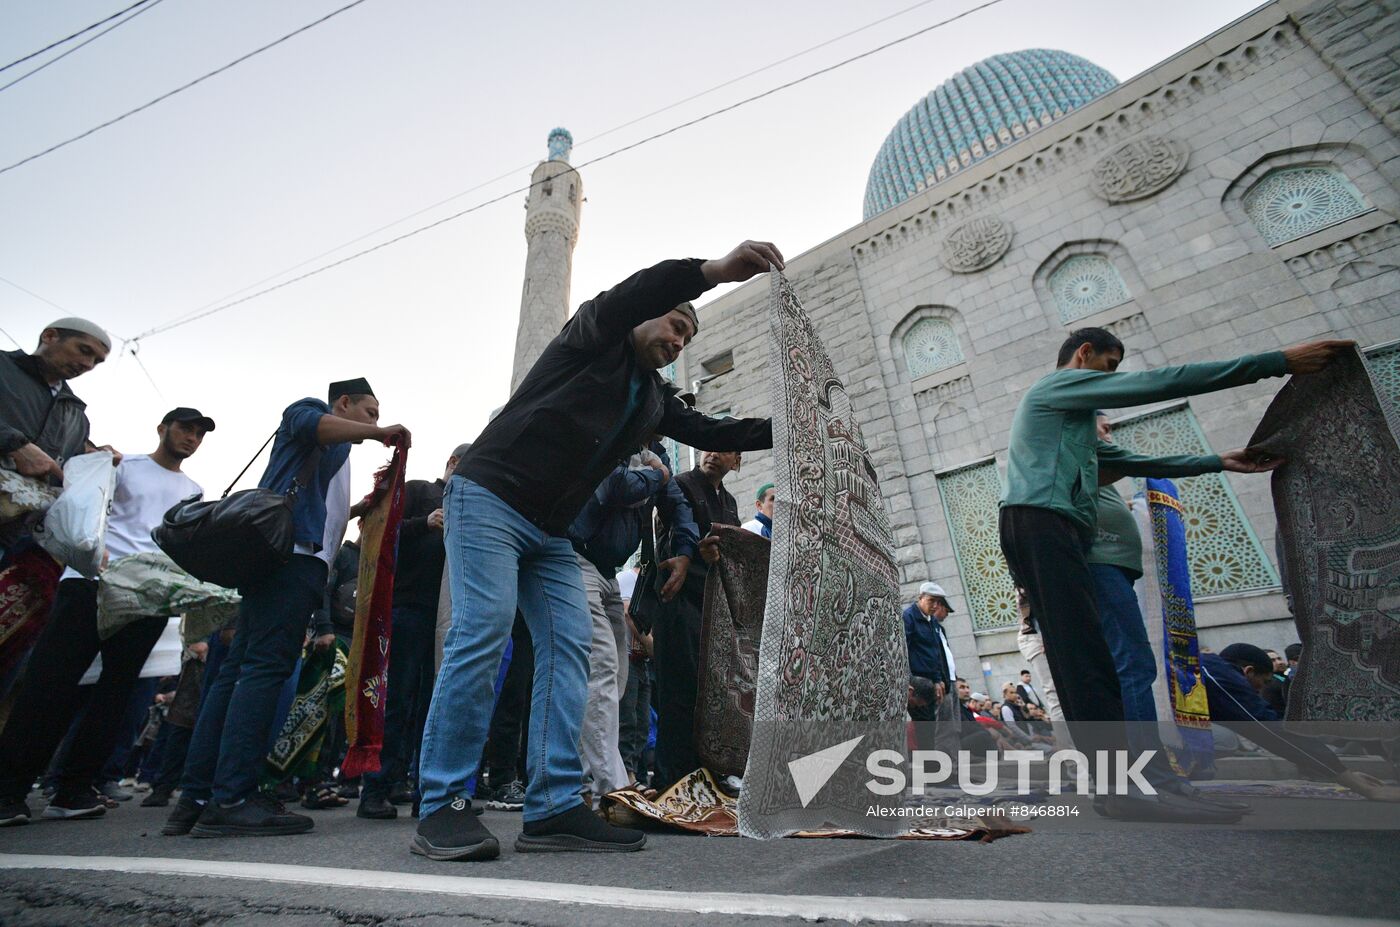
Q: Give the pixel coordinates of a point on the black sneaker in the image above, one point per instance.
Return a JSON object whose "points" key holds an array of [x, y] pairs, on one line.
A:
{"points": [[377, 808], [182, 817], [577, 830], [402, 794], [75, 806], [255, 816], [453, 832], [14, 812], [509, 797], [159, 797]]}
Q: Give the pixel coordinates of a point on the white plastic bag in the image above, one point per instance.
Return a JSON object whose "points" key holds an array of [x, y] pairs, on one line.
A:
{"points": [[75, 527]]}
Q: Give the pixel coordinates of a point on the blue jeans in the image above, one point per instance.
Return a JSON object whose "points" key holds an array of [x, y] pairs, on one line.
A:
{"points": [[230, 738], [410, 650], [496, 559]]}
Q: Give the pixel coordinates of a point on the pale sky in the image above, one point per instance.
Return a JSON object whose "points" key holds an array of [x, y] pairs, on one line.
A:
{"points": [[398, 104]]}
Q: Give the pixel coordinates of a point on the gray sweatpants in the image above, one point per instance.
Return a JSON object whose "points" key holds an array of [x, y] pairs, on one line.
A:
{"points": [[607, 678]]}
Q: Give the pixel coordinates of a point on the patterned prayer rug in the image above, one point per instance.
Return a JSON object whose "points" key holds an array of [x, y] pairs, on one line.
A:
{"points": [[27, 587], [832, 667], [320, 694], [1339, 519], [697, 804], [367, 679], [735, 591], [1192, 751]]}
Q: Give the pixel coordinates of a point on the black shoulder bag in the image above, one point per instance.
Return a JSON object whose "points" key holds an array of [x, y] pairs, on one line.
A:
{"points": [[646, 602], [239, 538]]}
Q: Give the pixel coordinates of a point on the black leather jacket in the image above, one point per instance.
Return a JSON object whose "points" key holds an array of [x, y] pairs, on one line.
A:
{"points": [[543, 455]]}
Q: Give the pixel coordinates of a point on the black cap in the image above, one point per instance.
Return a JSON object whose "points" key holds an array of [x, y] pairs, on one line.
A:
{"points": [[186, 414], [356, 387], [1248, 655]]}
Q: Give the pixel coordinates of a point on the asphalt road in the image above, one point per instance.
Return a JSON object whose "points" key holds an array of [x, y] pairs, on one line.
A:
{"points": [[1083, 871]]}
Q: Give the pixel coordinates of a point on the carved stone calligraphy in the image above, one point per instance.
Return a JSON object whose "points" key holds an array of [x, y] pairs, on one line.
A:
{"points": [[1138, 169], [976, 244]]}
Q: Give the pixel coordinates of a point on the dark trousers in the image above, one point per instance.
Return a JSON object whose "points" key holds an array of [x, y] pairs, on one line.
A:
{"points": [[503, 756], [172, 756], [235, 720], [1046, 557], [410, 649], [48, 696], [676, 656], [634, 719]]}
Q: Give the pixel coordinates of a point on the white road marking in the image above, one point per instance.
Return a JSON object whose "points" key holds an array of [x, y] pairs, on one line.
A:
{"points": [[991, 912]]}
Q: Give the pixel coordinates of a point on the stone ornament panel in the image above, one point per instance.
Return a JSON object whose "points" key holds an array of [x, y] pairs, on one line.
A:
{"points": [[1138, 169], [1224, 553], [971, 501], [1085, 284], [976, 244], [1384, 364], [1291, 202], [930, 346]]}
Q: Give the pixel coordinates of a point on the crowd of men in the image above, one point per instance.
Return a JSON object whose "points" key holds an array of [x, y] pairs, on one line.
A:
{"points": [[530, 669]]}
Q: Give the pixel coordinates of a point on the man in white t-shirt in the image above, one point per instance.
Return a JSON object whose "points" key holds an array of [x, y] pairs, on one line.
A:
{"points": [[48, 697]]}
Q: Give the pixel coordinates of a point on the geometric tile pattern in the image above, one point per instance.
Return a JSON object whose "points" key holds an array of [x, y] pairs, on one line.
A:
{"points": [[971, 501], [1295, 201], [930, 346], [1085, 284], [1224, 553]]}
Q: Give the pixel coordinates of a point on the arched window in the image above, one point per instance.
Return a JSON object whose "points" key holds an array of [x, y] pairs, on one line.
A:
{"points": [[1085, 284], [1290, 202], [1224, 554], [971, 498], [931, 345]]}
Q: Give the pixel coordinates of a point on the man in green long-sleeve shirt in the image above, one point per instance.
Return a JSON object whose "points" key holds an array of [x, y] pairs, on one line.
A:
{"points": [[1049, 516]]}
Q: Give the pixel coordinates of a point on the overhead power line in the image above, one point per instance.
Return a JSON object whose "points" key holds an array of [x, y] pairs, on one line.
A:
{"points": [[182, 88], [69, 38], [197, 315], [150, 5], [514, 171]]}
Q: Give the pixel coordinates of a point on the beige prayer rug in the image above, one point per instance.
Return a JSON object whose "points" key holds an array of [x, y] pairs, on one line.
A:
{"points": [[1339, 520], [832, 668], [698, 805]]}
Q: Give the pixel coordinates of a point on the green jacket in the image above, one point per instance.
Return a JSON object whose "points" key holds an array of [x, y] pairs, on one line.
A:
{"points": [[1116, 541], [1054, 452]]}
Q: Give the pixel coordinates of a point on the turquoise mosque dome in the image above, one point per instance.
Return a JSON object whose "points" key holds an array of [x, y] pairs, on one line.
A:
{"points": [[974, 114]]}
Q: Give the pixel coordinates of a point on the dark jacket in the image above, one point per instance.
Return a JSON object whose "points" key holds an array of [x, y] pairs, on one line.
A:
{"points": [[609, 529], [337, 611], [418, 575], [561, 432], [709, 506], [30, 413], [924, 636], [295, 439]]}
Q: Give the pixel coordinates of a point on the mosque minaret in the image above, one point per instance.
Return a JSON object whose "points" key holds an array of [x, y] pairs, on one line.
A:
{"points": [[551, 229]]}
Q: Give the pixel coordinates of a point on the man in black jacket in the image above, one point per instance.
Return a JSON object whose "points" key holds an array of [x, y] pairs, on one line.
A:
{"points": [[416, 585], [590, 400], [676, 637]]}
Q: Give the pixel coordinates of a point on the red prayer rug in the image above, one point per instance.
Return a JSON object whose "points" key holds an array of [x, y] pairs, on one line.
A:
{"points": [[27, 588], [367, 679]]}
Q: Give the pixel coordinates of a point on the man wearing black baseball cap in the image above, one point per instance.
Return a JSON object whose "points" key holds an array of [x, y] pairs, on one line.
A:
{"points": [[48, 697]]}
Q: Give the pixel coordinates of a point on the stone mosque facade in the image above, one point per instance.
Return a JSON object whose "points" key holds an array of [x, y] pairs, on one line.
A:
{"points": [[1238, 197]]}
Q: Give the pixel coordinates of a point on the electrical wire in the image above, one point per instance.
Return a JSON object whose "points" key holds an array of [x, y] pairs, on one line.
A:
{"points": [[57, 58], [164, 327], [529, 164], [183, 87], [69, 38]]}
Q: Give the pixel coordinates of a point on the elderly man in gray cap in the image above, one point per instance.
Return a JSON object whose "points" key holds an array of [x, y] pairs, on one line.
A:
{"points": [[42, 422], [931, 657]]}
